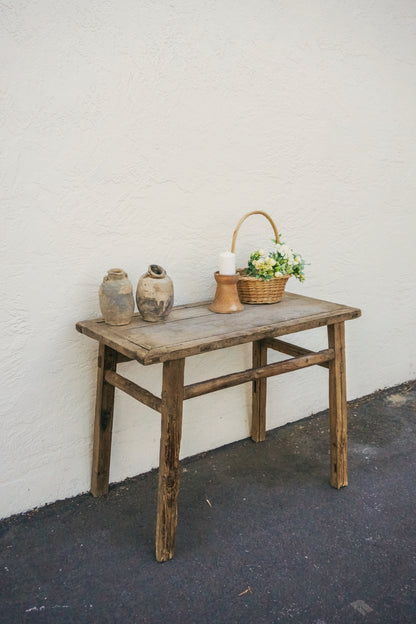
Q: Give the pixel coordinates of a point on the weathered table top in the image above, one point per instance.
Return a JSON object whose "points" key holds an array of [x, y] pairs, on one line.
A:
{"points": [[192, 329]]}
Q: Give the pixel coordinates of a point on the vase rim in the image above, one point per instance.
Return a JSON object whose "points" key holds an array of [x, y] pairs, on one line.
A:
{"points": [[116, 273], [156, 271]]}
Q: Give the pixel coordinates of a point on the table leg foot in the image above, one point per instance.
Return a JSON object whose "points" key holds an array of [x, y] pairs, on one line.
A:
{"points": [[338, 407], [171, 417], [103, 424]]}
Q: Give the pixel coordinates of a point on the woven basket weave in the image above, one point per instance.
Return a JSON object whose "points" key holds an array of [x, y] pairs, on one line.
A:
{"points": [[254, 290]]}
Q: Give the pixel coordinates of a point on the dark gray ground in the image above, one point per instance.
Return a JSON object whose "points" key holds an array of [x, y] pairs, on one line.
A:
{"points": [[262, 537]]}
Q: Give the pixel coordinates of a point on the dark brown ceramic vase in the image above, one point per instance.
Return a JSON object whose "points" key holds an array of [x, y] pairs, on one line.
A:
{"points": [[154, 294]]}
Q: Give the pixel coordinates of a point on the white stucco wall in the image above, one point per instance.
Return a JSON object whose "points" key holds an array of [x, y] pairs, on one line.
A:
{"points": [[137, 132]]}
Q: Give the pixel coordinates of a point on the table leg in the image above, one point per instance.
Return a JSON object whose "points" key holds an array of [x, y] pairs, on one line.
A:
{"points": [[170, 440], [259, 390], [103, 425], [338, 406]]}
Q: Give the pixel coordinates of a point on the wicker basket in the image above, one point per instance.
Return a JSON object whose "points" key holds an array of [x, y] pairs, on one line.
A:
{"points": [[254, 290]]}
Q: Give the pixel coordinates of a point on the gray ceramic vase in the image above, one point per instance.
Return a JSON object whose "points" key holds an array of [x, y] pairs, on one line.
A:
{"points": [[154, 294], [116, 298]]}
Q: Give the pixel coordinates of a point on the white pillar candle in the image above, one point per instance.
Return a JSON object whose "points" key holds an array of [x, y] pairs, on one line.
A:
{"points": [[227, 263]]}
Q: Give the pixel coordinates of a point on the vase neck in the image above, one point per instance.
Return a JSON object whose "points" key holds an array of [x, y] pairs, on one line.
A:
{"points": [[156, 271], [116, 274]]}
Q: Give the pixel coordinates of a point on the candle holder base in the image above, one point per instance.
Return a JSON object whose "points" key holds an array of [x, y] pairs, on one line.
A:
{"points": [[226, 300]]}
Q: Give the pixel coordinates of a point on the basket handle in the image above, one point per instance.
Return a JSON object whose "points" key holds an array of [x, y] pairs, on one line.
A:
{"points": [[248, 215]]}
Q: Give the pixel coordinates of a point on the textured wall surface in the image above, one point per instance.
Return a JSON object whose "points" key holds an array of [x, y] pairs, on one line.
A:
{"points": [[137, 132]]}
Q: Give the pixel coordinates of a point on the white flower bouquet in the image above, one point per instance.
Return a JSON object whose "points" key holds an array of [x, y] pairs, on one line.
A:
{"points": [[282, 260]]}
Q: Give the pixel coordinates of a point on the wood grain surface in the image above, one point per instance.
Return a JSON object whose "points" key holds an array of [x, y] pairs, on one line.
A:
{"points": [[194, 329]]}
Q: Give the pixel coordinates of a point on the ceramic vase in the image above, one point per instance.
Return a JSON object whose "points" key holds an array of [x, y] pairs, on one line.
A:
{"points": [[116, 298], [154, 294]]}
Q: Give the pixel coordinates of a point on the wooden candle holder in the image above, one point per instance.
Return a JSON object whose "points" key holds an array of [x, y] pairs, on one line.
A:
{"points": [[226, 300]]}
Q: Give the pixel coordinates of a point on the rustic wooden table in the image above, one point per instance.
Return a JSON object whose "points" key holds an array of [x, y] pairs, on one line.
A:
{"points": [[193, 329]]}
